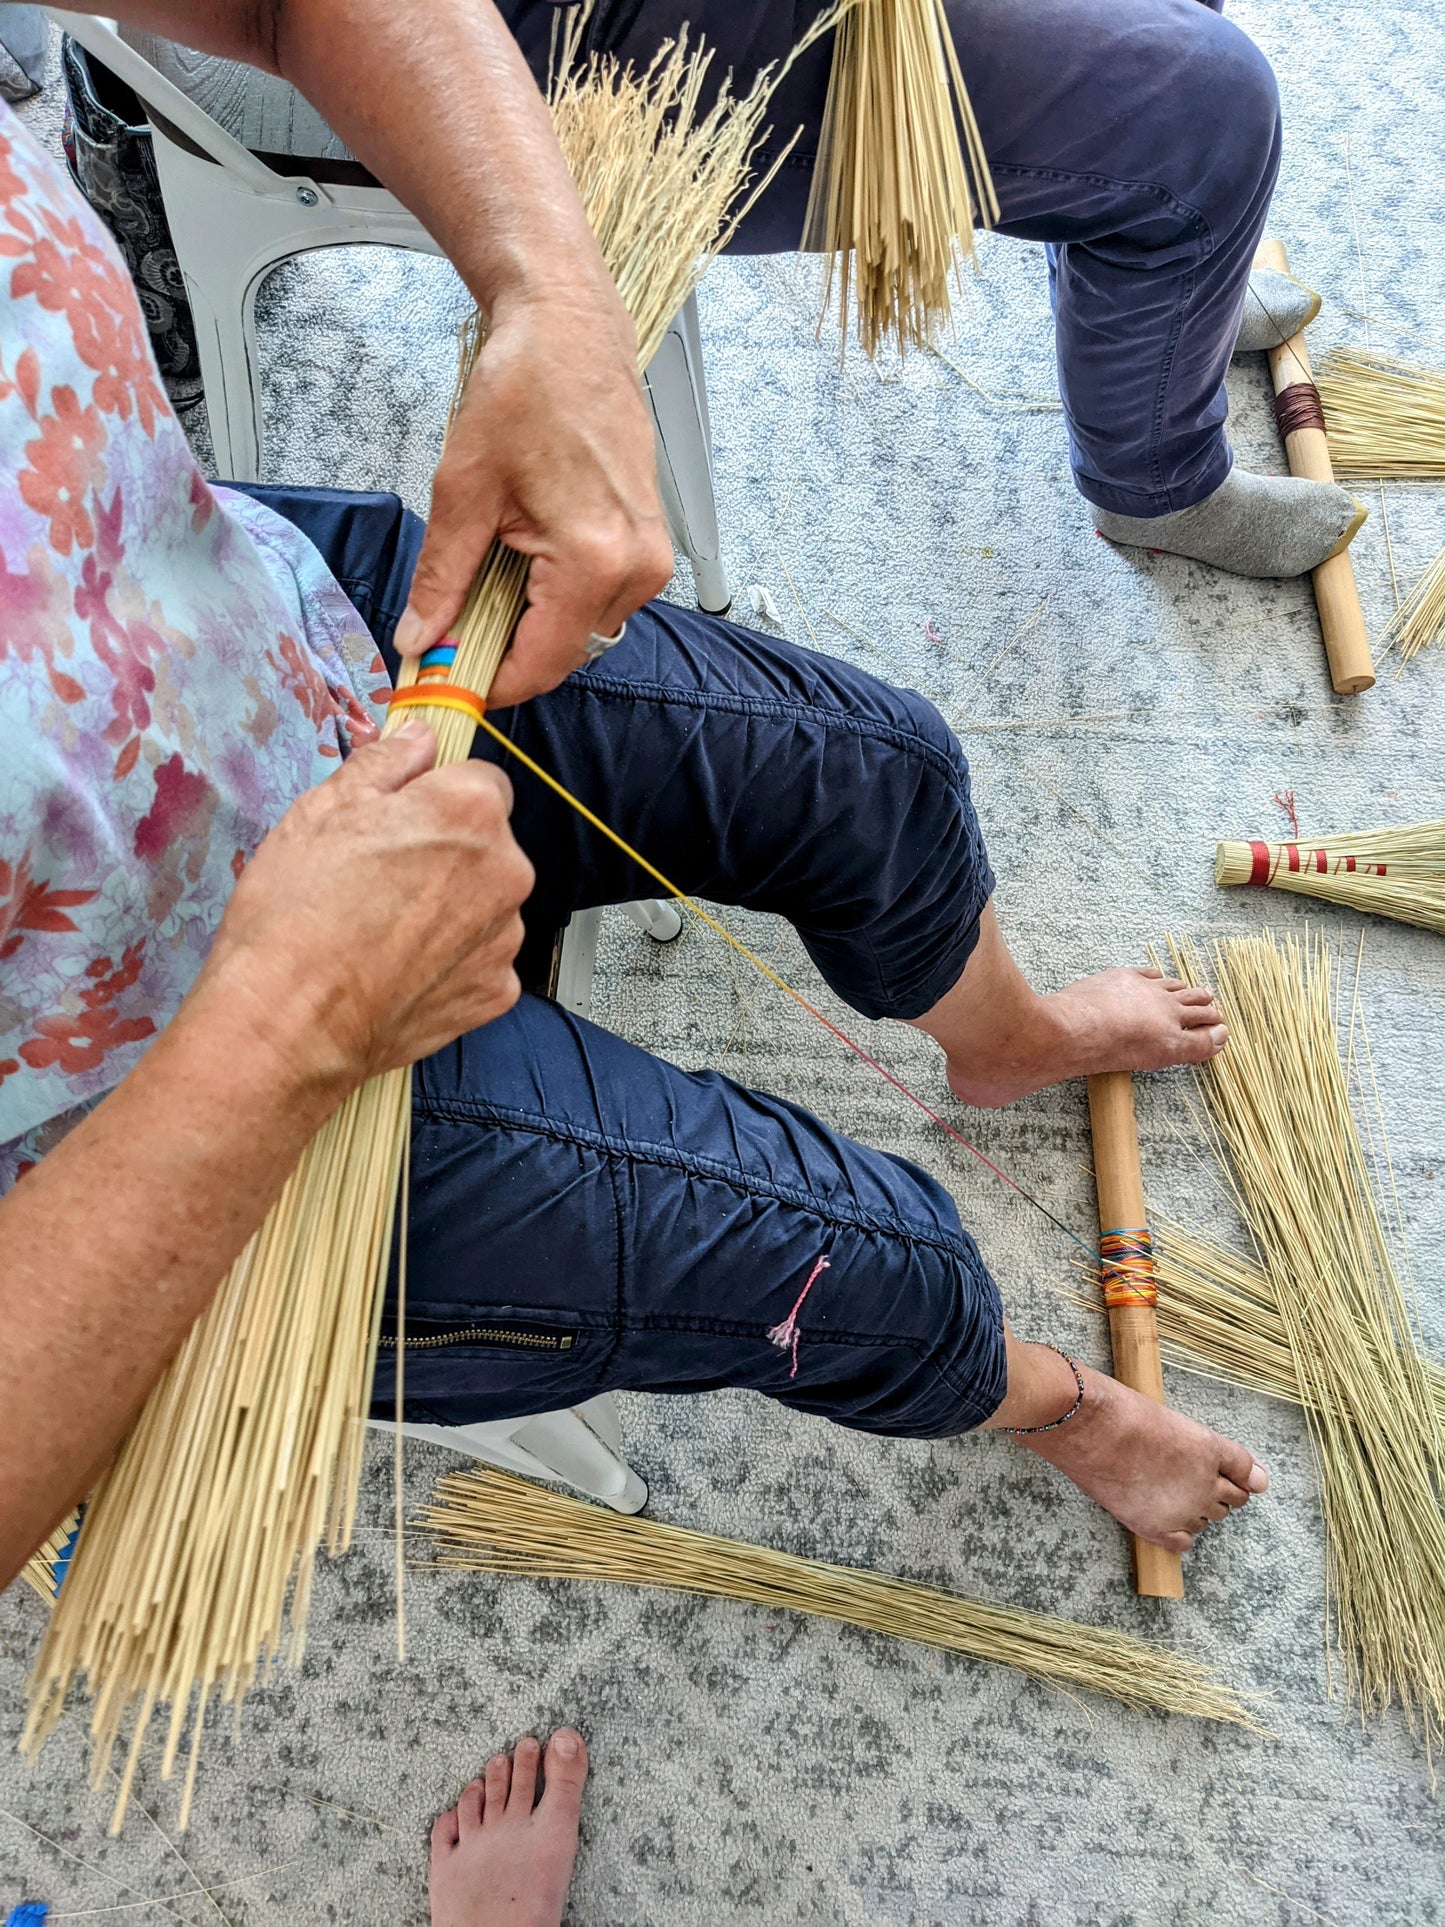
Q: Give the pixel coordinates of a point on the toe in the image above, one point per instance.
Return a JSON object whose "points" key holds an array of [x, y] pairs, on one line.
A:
{"points": [[1238, 1466], [526, 1758], [566, 1771], [444, 1832], [498, 1782], [1232, 1495], [1192, 1016], [1177, 1541], [470, 1808], [1198, 1046]]}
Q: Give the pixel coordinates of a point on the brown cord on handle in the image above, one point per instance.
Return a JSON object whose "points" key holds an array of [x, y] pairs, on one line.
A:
{"points": [[1298, 406]]}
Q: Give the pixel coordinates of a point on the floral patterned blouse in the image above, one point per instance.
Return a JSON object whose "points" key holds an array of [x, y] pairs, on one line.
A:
{"points": [[176, 667]]}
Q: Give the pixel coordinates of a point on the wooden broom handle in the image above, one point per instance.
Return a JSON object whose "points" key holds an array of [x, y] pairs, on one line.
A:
{"points": [[1342, 620], [1133, 1329]]}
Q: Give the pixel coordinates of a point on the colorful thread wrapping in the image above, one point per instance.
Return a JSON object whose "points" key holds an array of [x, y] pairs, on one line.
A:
{"points": [[1298, 406], [785, 1336], [1265, 863], [440, 695], [1126, 1268]]}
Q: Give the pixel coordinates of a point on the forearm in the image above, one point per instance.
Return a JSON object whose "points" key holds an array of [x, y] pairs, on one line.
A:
{"points": [[438, 102], [113, 1245]]}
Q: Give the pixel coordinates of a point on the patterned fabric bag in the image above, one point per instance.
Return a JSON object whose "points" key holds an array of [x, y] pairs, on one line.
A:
{"points": [[112, 162]]}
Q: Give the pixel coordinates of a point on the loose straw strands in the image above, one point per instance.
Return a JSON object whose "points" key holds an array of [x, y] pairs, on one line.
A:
{"points": [[1279, 1100], [1384, 417], [1397, 873], [249, 1450], [489, 1521], [896, 191], [1420, 619]]}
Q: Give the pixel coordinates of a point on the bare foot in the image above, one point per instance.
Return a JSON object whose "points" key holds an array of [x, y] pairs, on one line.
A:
{"points": [[1121, 1020], [1162, 1475], [502, 1858]]}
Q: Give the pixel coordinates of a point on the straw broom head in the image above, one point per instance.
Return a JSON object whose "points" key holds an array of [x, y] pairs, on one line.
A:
{"points": [[199, 1543], [1279, 1100], [1420, 619], [486, 1521], [1384, 417], [900, 178], [1397, 873]]}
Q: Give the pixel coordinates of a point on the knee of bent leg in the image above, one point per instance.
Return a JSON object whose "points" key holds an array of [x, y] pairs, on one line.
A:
{"points": [[1228, 117]]}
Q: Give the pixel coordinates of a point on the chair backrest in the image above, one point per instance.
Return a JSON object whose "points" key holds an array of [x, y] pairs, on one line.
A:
{"points": [[99, 37]]}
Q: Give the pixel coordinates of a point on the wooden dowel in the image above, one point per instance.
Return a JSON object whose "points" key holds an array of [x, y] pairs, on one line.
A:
{"points": [[1342, 620], [1133, 1329]]}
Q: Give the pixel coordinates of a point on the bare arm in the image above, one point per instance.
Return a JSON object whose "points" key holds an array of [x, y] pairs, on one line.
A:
{"points": [[554, 448], [377, 922]]}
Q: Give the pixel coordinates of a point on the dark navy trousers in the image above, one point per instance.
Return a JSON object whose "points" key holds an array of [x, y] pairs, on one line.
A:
{"points": [[585, 1217], [1140, 138]]}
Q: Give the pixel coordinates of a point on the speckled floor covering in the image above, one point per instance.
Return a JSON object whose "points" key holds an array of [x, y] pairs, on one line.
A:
{"points": [[1121, 712]]}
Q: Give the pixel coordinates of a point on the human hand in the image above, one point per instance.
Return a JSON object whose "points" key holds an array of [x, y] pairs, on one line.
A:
{"points": [[552, 451], [378, 920]]}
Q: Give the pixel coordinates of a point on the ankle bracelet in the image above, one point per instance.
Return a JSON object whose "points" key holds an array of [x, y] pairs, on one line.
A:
{"points": [[1021, 1431]]}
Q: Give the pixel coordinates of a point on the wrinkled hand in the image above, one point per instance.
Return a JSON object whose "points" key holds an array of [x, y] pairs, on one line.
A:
{"points": [[378, 920], [552, 450]]}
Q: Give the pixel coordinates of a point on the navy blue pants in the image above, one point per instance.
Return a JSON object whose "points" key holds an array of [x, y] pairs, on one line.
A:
{"points": [[586, 1217], [1140, 138]]}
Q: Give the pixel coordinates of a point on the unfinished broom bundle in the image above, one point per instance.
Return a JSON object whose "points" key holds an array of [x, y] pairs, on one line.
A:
{"points": [[1420, 619], [1397, 873], [900, 177], [249, 1450], [1384, 417], [487, 1521], [1280, 1102]]}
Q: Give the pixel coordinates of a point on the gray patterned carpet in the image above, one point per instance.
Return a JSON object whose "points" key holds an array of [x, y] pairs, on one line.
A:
{"points": [[1121, 712]]}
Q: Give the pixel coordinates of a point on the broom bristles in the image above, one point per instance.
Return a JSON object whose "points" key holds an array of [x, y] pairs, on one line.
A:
{"points": [[1397, 873], [1384, 417], [248, 1453], [486, 1521], [1279, 1099], [1419, 621], [900, 177]]}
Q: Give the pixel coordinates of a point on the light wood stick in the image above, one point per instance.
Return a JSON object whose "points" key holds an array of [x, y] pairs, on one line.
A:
{"points": [[1133, 1329], [1342, 621]]}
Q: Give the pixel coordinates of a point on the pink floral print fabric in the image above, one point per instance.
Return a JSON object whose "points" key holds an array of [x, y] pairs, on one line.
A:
{"points": [[176, 667]]}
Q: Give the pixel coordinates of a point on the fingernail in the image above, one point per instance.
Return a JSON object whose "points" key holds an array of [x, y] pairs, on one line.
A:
{"points": [[565, 1743], [408, 630], [1258, 1479]]}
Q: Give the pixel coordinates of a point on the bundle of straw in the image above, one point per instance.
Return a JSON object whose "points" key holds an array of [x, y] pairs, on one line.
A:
{"points": [[490, 1521], [1279, 1098], [1420, 619], [1397, 873], [1384, 417], [249, 1450], [900, 177]]}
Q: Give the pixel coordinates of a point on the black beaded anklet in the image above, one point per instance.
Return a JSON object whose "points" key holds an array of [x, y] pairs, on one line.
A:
{"points": [[1021, 1431]]}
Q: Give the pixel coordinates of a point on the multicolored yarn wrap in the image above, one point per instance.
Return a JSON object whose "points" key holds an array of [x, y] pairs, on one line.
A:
{"points": [[1126, 1268], [433, 688]]}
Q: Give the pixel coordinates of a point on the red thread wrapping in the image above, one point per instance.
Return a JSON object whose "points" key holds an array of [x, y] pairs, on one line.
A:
{"points": [[1259, 871]]}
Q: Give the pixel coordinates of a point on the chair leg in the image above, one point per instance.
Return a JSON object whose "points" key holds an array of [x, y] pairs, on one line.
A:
{"points": [[678, 398], [226, 343], [660, 920]]}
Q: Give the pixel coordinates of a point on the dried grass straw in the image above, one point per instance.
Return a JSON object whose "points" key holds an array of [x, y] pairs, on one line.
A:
{"points": [[1397, 873], [1420, 619], [40, 1568], [248, 1453], [489, 1521], [900, 177], [1384, 417], [1279, 1099]]}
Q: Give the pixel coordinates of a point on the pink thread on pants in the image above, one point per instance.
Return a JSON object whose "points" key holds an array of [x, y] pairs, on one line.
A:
{"points": [[785, 1336]]}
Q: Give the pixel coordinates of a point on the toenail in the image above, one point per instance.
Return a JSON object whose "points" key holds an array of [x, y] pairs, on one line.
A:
{"points": [[1219, 1037], [565, 1744], [1258, 1479]]}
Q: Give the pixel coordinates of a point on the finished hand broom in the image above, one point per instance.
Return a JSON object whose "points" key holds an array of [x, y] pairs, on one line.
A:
{"points": [[1397, 873], [248, 1452]]}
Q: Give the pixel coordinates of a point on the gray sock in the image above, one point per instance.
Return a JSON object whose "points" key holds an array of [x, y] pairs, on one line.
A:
{"points": [[1266, 525], [1276, 307]]}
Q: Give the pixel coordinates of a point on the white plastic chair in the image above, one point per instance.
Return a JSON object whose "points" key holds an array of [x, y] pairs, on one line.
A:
{"points": [[233, 218], [581, 1447]]}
